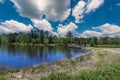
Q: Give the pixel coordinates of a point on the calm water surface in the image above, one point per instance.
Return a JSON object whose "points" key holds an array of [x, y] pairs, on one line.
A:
{"points": [[21, 56]]}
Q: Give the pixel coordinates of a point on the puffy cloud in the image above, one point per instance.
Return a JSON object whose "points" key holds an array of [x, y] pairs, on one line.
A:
{"points": [[1, 1], [78, 10], [54, 34], [4, 29], [14, 26], [28, 8], [93, 5], [84, 7], [106, 30], [42, 25], [109, 30], [35, 9], [89, 33], [63, 30], [57, 9], [118, 4]]}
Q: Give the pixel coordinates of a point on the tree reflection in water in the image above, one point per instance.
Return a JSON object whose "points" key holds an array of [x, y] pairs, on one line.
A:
{"points": [[19, 56]]}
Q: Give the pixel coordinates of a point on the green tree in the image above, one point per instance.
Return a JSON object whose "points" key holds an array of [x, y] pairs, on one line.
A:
{"points": [[69, 36], [41, 36]]}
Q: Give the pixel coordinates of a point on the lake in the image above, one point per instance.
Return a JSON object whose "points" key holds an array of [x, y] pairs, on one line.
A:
{"points": [[14, 56]]}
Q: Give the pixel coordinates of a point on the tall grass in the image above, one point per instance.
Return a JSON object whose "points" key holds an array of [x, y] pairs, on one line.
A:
{"points": [[108, 68], [3, 77], [105, 70], [109, 73]]}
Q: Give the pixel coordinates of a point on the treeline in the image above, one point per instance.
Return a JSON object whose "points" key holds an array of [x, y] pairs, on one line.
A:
{"points": [[36, 37], [45, 37], [107, 41]]}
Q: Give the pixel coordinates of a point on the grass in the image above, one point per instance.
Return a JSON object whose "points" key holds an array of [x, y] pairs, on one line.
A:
{"points": [[100, 56], [106, 70], [108, 46], [3, 77], [98, 65], [72, 62], [109, 73]]}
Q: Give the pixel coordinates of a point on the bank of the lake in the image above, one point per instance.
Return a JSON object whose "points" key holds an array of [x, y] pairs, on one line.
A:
{"points": [[20, 56], [99, 64], [31, 44]]}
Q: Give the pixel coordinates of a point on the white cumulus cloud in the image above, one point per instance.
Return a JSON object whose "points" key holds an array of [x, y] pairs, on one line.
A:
{"points": [[1, 1], [106, 30], [63, 30], [34, 9], [109, 30], [78, 10], [84, 7], [42, 25], [93, 5], [89, 33], [118, 4], [13, 26]]}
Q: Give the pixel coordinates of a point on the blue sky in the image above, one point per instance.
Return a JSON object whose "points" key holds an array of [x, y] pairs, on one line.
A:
{"points": [[59, 17]]}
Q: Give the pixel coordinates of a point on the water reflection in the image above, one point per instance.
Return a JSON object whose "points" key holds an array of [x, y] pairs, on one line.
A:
{"points": [[20, 56]]}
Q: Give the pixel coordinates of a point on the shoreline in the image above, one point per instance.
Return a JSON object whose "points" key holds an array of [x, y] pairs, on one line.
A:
{"points": [[31, 44], [54, 62], [95, 59]]}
